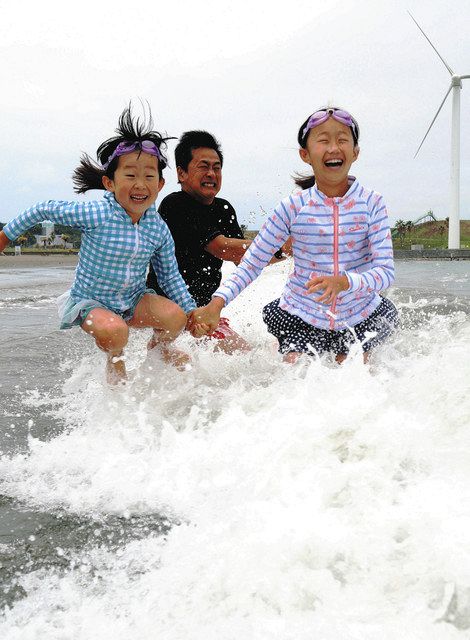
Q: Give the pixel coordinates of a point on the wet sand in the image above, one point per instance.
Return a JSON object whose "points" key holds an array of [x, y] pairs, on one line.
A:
{"points": [[30, 260]]}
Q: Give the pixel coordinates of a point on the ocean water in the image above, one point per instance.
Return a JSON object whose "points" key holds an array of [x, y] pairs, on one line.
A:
{"points": [[243, 498]]}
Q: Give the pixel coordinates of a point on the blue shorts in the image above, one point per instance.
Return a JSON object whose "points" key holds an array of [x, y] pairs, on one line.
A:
{"points": [[294, 334], [73, 313]]}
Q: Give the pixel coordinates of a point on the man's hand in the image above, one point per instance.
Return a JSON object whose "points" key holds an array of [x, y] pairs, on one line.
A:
{"points": [[284, 252], [331, 285], [287, 247]]}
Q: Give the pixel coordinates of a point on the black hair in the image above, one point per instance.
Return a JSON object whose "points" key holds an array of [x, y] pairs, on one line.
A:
{"points": [[305, 182], [191, 140], [88, 175]]}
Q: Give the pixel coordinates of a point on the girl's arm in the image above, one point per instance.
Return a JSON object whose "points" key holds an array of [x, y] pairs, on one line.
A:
{"points": [[272, 235], [168, 276], [75, 214], [381, 272], [207, 316]]}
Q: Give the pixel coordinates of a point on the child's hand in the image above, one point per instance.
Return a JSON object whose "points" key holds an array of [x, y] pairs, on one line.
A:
{"points": [[331, 285], [197, 329], [208, 315]]}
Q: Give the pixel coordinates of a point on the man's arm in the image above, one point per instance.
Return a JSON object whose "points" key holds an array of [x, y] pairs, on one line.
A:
{"points": [[231, 249], [4, 240]]}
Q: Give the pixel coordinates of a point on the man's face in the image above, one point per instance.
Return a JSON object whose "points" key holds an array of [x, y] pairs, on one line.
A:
{"points": [[203, 178]]}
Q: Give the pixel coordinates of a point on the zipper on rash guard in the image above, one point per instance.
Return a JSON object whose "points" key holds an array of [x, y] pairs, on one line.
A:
{"points": [[335, 257], [136, 249]]}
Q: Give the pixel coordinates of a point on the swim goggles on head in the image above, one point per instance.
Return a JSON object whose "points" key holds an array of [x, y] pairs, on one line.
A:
{"points": [[332, 112], [146, 146]]}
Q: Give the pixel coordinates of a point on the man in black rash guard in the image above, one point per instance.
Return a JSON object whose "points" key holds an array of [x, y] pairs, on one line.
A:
{"points": [[205, 228]]}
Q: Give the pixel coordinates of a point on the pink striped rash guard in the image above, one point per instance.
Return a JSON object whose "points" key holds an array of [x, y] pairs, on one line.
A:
{"points": [[330, 236]]}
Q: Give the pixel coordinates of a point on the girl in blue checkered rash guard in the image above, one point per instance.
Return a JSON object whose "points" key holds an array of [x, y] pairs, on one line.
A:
{"points": [[120, 234]]}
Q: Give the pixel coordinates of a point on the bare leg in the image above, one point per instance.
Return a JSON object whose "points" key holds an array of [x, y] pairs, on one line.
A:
{"points": [[111, 334], [167, 320]]}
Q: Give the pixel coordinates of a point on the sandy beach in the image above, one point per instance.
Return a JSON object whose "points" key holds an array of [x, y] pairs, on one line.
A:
{"points": [[30, 260]]}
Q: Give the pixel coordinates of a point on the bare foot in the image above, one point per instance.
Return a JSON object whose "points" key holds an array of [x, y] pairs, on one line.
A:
{"points": [[231, 344], [170, 354], [176, 357], [152, 343], [291, 357], [116, 370]]}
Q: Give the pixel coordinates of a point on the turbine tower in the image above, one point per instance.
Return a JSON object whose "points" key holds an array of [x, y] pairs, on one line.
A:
{"points": [[455, 87]]}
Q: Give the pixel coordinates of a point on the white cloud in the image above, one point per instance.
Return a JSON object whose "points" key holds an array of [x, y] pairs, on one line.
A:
{"points": [[250, 72]]}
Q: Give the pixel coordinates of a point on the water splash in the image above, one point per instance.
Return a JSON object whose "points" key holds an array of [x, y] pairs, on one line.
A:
{"points": [[306, 501]]}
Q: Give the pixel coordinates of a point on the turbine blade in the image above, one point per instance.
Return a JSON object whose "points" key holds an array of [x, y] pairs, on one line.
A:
{"points": [[442, 59], [433, 121]]}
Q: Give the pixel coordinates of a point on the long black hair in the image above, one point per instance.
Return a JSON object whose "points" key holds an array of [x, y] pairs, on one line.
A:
{"points": [[303, 181], [88, 175]]}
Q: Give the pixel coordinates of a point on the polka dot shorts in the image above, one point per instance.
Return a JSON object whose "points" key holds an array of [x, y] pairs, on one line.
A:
{"points": [[293, 334]]}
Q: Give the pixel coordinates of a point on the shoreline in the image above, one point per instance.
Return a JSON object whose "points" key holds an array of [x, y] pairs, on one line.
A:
{"points": [[431, 254], [28, 261]]}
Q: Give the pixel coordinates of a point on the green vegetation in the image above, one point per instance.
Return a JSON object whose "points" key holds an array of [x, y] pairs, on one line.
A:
{"points": [[432, 234]]}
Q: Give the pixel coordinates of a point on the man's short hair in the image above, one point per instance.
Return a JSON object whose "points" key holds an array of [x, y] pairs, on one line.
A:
{"points": [[191, 140]]}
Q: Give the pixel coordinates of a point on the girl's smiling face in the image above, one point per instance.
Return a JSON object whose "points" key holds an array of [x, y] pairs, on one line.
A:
{"points": [[136, 183], [330, 151]]}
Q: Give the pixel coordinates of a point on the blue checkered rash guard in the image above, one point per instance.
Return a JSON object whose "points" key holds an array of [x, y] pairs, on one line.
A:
{"points": [[114, 253]]}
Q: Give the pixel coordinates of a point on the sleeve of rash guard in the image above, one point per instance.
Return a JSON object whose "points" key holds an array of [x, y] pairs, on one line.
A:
{"points": [[381, 273], [83, 215], [272, 235]]}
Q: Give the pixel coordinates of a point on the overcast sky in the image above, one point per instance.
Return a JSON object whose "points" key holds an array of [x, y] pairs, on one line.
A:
{"points": [[248, 71]]}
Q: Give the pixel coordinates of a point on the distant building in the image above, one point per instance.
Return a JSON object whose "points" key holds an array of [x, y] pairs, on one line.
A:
{"points": [[48, 238], [47, 228]]}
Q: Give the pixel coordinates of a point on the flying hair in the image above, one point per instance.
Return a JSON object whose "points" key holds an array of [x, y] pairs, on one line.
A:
{"points": [[88, 175]]}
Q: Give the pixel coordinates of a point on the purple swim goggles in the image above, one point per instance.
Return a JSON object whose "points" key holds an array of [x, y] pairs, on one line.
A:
{"points": [[340, 115], [145, 146]]}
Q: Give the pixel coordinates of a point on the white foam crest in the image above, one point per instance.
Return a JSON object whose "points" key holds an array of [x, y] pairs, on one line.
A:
{"points": [[314, 500]]}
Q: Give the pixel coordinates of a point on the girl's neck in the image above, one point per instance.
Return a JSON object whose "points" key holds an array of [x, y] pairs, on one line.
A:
{"points": [[135, 217], [334, 190]]}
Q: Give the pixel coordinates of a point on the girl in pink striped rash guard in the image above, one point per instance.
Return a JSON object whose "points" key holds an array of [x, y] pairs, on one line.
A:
{"points": [[342, 251]]}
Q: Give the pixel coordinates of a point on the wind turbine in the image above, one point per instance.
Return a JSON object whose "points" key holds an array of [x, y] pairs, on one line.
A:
{"points": [[455, 87]]}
